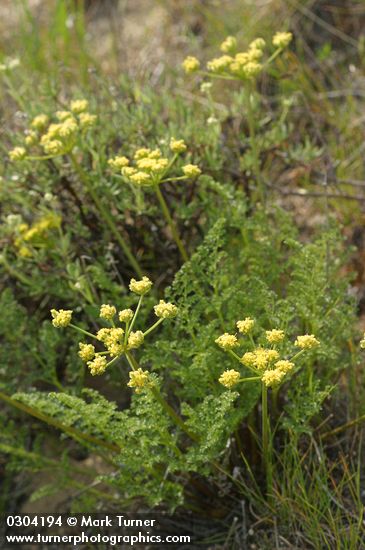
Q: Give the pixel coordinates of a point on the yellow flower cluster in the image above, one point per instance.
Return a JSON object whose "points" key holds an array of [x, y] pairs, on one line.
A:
{"points": [[227, 341], [79, 106], [86, 352], [282, 39], [107, 312], [165, 310], [98, 365], [135, 339], [191, 64], [246, 325], [229, 378], [264, 362], [260, 358], [150, 166], [112, 339], [275, 336], [30, 236], [56, 138], [229, 45], [61, 318], [140, 287], [117, 341], [239, 65], [126, 315], [18, 153], [307, 341], [117, 163], [138, 379], [191, 170], [272, 377]]}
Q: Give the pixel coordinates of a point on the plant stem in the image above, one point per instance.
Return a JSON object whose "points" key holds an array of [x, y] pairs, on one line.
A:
{"points": [[129, 330], [155, 325], [171, 223], [83, 331], [105, 215], [250, 379], [266, 454], [173, 415], [254, 148]]}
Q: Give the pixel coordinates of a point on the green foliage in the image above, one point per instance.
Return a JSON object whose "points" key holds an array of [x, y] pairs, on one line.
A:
{"points": [[247, 257]]}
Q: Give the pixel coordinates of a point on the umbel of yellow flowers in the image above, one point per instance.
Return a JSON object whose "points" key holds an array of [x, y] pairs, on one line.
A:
{"points": [[57, 137], [264, 362], [240, 65], [149, 167], [118, 341]]}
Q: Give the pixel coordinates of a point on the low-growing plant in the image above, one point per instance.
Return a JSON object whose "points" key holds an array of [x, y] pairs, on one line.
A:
{"points": [[96, 191]]}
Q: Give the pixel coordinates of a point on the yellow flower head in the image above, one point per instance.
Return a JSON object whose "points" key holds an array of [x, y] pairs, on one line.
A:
{"points": [[141, 153], [112, 339], [155, 154], [25, 252], [61, 318], [68, 128], [272, 377], [135, 339], [227, 341], [254, 54], [260, 358], [63, 115], [205, 87], [191, 170], [165, 310], [257, 44], [307, 341], [177, 145], [87, 120], [229, 378], [275, 336], [140, 287], [272, 355], [39, 122], [219, 64], [362, 343], [228, 45], [282, 39], [125, 315], [103, 334], [249, 359], [128, 171], [79, 106], [245, 326], [118, 162], [98, 365], [152, 165], [87, 352], [115, 336], [52, 132], [107, 312], [284, 365], [141, 178], [252, 69], [52, 147], [31, 138], [138, 379], [191, 64], [18, 153]]}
